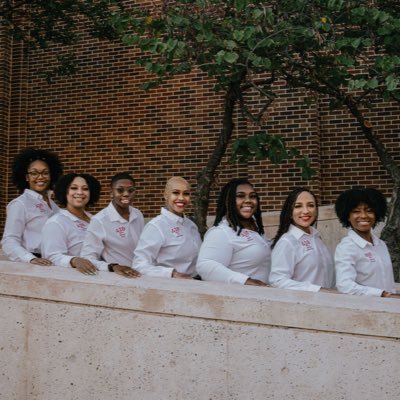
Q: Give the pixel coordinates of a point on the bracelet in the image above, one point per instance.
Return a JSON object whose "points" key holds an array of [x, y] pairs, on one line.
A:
{"points": [[111, 266]]}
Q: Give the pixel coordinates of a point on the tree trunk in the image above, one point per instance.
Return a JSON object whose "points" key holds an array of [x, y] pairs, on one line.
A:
{"points": [[206, 176], [391, 231]]}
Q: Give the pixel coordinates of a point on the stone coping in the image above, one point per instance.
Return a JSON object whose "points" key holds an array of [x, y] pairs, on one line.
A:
{"points": [[206, 300]]}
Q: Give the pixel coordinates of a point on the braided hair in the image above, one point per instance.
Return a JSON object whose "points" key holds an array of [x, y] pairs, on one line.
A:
{"points": [[226, 207], [285, 218]]}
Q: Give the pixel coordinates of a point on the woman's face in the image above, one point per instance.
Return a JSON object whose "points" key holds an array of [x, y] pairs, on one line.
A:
{"points": [[78, 193], [304, 211], [362, 219], [38, 176], [122, 193], [246, 201], [177, 197]]}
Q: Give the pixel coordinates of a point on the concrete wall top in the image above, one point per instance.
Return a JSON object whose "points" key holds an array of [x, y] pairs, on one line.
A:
{"points": [[207, 300]]}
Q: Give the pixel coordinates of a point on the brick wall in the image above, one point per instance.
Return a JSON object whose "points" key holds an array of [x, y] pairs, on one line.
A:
{"points": [[100, 122]]}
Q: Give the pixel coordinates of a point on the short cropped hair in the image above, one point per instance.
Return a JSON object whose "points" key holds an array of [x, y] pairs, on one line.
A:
{"points": [[63, 184], [27, 156], [285, 218], [122, 175], [226, 207], [350, 199]]}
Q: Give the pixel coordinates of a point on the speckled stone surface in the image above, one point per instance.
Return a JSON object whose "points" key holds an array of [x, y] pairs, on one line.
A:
{"points": [[72, 337]]}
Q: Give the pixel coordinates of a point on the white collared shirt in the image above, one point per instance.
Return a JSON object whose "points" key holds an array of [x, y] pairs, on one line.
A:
{"points": [[167, 242], [110, 238], [301, 261], [363, 268], [26, 216], [62, 237], [226, 257]]}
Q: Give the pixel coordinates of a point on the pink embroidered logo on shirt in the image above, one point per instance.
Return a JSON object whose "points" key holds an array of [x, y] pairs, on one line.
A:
{"points": [[121, 231], [306, 243], [370, 256], [81, 226], [176, 231], [41, 207], [246, 235]]}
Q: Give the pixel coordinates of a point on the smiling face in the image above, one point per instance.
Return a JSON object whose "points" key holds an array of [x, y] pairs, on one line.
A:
{"points": [[246, 201], [78, 193], [177, 195], [122, 193], [304, 211], [362, 219], [38, 176]]}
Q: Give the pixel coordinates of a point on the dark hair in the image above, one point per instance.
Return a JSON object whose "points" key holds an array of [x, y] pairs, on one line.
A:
{"points": [[285, 218], [65, 181], [27, 156], [122, 175], [226, 206], [350, 199]]}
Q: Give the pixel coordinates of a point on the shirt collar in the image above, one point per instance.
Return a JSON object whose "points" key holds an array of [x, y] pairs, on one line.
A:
{"points": [[298, 233], [359, 241], [173, 217], [114, 215], [73, 217], [34, 194]]}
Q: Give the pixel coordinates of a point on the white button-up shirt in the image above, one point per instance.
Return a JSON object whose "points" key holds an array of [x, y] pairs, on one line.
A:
{"points": [[110, 238], [26, 216], [167, 242], [301, 261], [62, 237], [363, 268], [226, 257]]}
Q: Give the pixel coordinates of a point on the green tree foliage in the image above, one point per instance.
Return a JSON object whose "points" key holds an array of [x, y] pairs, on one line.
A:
{"points": [[348, 51]]}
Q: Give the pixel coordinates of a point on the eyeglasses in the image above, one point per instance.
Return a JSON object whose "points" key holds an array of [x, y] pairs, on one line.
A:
{"points": [[122, 190], [36, 174]]}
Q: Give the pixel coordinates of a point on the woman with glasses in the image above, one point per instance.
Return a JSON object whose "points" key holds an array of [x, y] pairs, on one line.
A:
{"points": [[63, 233], [34, 172], [113, 233], [169, 243]]}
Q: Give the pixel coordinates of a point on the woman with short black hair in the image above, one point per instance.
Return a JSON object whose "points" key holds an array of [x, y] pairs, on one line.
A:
{"points": [[63, 233], [362, 260], [34, 172]]}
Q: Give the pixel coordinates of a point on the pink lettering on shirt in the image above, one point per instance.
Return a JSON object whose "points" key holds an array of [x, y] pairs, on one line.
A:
{"points": [[306, 243], [41, 207], [246, 235], [121, 231], [81, 226], [370, 256], [176, 231]]}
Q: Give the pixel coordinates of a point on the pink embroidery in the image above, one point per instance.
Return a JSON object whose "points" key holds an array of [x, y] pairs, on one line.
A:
{"points": [[370, 256], [306, 243], [246, 235], [176, 231], [81, 226], [121, 231], [41, 207]]}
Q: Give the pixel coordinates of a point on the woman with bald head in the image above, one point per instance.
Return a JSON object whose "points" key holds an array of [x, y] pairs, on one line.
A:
{"points": [[169, 243]]}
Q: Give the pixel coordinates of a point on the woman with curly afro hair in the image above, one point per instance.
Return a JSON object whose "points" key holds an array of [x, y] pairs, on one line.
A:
{"points": [[34, 172], [235, 249], [362, 260], [64, 232]]}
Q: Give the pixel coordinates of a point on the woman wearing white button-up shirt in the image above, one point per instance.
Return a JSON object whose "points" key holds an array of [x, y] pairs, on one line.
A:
{"points": [[34, 171], [362, 260], [113, 233], [63, 233], [300, 259], [169, 243], [235, 249]]}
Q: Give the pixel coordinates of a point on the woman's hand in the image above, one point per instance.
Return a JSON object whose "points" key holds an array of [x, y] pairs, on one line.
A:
{"points": [[41, 261], [83, 265], [255, 282], [179, 275], [126, 271], [328, 290]]}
